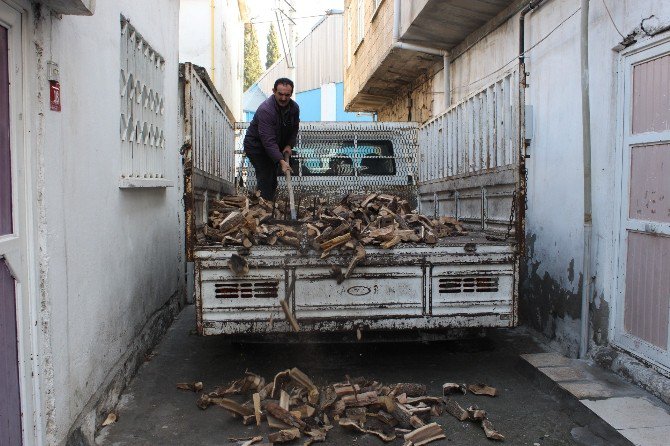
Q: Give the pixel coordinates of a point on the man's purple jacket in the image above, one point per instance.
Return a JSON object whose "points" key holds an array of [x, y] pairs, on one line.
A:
{"points": [[265, 133]]}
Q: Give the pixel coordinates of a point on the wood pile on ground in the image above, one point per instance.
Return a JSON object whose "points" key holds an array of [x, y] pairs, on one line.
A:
{"points": [[357, 221], [294, 408]]}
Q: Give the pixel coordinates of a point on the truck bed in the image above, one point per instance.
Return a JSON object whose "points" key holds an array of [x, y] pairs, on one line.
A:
{"points": [[463, 281]]}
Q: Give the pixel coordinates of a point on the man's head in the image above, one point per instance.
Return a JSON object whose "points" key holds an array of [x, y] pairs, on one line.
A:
{"points": [[282, 91]]}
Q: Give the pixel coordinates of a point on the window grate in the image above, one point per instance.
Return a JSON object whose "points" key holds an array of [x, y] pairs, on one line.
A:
{"points": [[452, 285], [247, 290], [142, 95]]}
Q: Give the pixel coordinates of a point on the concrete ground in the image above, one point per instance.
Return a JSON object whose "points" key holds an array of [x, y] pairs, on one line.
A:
{"points": [[154, 412]]}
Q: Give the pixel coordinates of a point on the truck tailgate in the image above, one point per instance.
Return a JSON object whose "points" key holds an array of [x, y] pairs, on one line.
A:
{"points": [[467, 282]]}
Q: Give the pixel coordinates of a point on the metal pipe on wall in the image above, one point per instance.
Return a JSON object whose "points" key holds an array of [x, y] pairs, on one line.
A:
{"points": [[212, 38], [586, 153]]}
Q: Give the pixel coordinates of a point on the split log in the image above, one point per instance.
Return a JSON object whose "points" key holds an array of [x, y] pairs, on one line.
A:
{"points": [[426, 434], [360, 400], [476, 413], [233, 406], [490, 432], [257, 408], [411, 389], [359, 255], [193, 387], [284, 400], [289, 316], [283, 415], [335, 242], [346, 389], [483, 389], [416, 422], [284, 436], [299, 377], [454, 409], [449, 388], [238, 265], [347, 423], [357, 414]]}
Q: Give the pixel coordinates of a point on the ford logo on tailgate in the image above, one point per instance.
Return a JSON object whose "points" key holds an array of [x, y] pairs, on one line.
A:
{"points": [[358, 290]]}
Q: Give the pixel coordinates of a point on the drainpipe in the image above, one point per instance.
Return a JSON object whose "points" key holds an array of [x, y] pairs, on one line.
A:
{"points": [[588, 192], [212, 37], [522, 29], [423, 49]]}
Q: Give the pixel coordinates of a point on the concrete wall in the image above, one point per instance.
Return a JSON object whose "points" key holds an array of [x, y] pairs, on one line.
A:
{"points": [[109, 259], [195, 45]]}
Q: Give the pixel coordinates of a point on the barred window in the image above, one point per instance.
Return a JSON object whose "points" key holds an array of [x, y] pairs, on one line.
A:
{"points": [[142, 128]]}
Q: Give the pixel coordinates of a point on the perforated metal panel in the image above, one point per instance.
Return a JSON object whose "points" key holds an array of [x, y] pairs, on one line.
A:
{"points": [[246, 290], [335, 158]]}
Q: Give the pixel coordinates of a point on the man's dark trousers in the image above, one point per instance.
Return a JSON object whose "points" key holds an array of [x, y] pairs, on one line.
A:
{"points": [[266, 175]]}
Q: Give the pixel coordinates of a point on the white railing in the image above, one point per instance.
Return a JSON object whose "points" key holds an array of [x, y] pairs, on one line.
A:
{"points": [[142, 129], [212, 133], [477, 135]]}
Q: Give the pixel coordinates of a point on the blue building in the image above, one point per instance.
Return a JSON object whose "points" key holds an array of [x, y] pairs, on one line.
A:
{"points": [[319, 74]]}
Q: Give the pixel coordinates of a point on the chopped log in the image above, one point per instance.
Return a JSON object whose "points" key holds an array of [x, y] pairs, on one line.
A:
{"points": [[238, 265], [424, 399], [232, 222], [384, 417], [454, 409], [426, 434], [289, 316], [284, 436], [299, 377], [490, 432], [257, 408], [483, 389], [345, 389], [347, 423], [193, 387], [338, 408], [411, 389], [416, 422], [283, 415], [275, 423], [280, 379], [449, 388], [284, 400], [337, 241], [290, 241], [306, 411], [328, 399], [360, 400], [359, 255], [357, 414], [403, 415], [250, 382], [476, 413], [391, 243], [251, 441], [233, 406], [387, 403]]}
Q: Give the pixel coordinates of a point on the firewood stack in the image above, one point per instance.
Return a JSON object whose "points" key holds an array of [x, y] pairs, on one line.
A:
{"points": [[355, 222], [296, 408]]}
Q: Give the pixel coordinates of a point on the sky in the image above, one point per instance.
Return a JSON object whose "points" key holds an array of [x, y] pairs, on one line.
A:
{"points": [[261, 13]]}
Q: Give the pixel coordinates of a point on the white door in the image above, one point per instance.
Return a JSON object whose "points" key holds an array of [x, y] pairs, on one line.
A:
{"points": [[13, 252], [643, 315]]}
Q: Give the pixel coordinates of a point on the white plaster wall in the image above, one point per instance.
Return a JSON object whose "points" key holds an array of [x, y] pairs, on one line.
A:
{"points": [[605, 134], [195, 45], [555, 168], [108, 258]]}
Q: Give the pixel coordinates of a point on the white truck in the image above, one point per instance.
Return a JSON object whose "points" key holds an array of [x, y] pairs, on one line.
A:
{"points": [[466, 163]]}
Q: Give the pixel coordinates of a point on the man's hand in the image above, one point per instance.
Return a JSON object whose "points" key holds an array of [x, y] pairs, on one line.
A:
{"points": [[285, 167], [288, 150]]}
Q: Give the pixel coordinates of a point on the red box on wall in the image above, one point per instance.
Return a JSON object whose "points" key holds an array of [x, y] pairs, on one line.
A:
{"points": [[54, 95]]}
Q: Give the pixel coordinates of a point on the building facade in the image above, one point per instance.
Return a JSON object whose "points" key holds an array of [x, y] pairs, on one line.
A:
{"points": [[319, 88], [92, 240], [597, 219], [211, 35]]}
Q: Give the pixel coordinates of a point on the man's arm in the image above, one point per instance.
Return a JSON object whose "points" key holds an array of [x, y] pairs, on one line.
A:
{"points": [[296, 126], [267, 135]]}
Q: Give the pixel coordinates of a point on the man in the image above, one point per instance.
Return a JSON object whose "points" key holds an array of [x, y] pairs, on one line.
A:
{"points": [[272, 132]]}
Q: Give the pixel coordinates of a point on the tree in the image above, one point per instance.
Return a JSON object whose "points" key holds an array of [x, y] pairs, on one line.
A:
{"points": [[272, 48], [252, 58]]}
